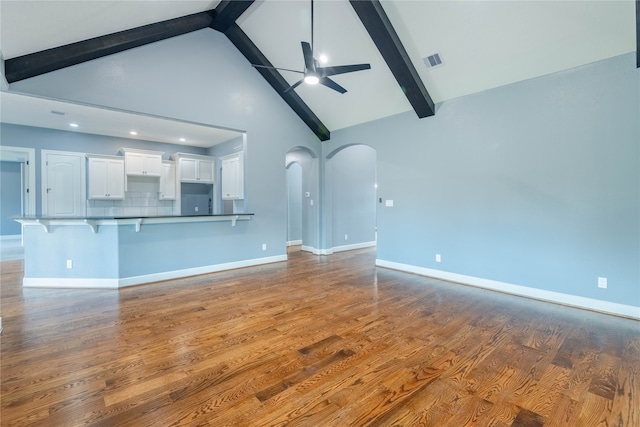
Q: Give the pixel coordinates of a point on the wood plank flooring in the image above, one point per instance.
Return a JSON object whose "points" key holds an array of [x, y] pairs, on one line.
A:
{"points": [[314, 341]]}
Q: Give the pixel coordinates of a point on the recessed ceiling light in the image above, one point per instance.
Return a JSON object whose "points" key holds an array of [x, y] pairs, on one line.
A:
{"points": [[323, 58], [182, 140], [73, 125], [133, 132]]}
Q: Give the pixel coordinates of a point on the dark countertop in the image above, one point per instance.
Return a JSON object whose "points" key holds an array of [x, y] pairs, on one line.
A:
{"points": [[100, 218]]}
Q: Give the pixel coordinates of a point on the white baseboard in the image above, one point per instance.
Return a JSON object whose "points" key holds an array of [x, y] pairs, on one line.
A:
{"points": [[523, 291], [335, 249], [89, 283], [73, 282], [294, 242], [316, 251], [354, 246]]}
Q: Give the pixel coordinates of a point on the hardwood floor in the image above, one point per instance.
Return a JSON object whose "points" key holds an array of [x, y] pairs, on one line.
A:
{"points": [[314, 341]]}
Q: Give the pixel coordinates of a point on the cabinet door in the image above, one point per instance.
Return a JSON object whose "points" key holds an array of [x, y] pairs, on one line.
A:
{"points": [[106, 179], [115, 179], [134, 163], [188, 170], [152, 165], [168, 181], [232, 182], [142, 164], [205, 171], [98, 171]]}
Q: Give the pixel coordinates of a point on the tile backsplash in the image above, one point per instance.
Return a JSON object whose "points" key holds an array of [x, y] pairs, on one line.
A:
{"points": [[140, 199], [135, 203]]}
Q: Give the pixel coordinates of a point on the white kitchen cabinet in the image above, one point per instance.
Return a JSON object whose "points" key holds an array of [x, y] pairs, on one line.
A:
{"points": [[195, 168], [168, 181], [232, 177], [142, 162], [106, 177]]}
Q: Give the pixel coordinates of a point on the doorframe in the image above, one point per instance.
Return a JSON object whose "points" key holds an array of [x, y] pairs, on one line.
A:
{"points": [[29, 186], [43, 174]]}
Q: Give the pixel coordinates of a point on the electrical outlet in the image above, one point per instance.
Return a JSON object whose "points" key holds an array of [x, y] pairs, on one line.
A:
{"points": [[196, 209], [311, 202], [264, 246], [346, 237], [388, 203], [602, 282], [69, 263], [438, 258]]}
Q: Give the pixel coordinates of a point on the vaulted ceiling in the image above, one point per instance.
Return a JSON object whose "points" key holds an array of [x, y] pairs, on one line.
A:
{"points": [[482, 44]]}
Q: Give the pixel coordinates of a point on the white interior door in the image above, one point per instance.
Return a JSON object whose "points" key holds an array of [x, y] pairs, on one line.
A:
{"points": [[63, 189]]}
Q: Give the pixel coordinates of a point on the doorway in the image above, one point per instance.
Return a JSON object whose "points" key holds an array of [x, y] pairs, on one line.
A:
{"points": [[63, 188]]}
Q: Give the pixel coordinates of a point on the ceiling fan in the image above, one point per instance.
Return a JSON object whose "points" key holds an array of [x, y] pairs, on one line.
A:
{"points": [[313, 74]]}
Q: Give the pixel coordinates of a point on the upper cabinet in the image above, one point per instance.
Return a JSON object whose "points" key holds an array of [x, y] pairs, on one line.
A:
{"points": [[195, 168], [232, 177], [142, 162], [106, 177], [168, 181]]}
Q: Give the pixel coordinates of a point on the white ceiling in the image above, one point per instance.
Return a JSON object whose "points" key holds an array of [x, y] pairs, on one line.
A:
{"points": [[26, 110], [484, 44]]}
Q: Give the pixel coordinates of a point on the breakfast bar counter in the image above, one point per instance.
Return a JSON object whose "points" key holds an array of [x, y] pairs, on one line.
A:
{"points": [[112, 252]]}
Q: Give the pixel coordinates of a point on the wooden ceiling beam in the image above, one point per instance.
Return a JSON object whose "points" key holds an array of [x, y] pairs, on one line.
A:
{"points": [[35, 64], [250, 51], [384, 36]]}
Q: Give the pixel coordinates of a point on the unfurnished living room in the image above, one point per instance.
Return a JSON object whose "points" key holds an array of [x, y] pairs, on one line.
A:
{"points": [[320, 213]]}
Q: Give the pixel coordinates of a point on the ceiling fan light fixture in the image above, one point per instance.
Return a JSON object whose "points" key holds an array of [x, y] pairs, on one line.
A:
{"points": [[311, 79]]}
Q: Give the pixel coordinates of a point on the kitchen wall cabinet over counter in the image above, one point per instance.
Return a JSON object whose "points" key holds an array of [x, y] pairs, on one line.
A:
{"points": [[142, 162], [232, 177], [106, 177], [194, 167], [168, 181]]}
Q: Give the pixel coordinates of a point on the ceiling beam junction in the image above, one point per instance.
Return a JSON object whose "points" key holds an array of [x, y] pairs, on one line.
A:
{"points": [[384, 36], [250, 51]]}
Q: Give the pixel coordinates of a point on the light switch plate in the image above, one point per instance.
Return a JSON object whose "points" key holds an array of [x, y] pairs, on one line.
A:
{"points": [[388, 203]]}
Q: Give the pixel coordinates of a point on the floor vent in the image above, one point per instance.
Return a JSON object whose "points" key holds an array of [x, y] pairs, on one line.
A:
{"points": [[432, 61]]}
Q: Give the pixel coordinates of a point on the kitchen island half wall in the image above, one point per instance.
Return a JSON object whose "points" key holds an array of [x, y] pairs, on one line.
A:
{"points": [[119, 252]]}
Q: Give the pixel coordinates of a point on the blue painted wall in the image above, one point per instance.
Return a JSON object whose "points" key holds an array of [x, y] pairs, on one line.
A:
{"points": [[351, 195], [10, 197], [535, 184]]}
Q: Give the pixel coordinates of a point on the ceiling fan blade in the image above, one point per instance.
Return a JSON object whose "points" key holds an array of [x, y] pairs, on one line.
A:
{"points": [[276, 68], [309, 63], [341, 69], [331, 84], [293, 86]]}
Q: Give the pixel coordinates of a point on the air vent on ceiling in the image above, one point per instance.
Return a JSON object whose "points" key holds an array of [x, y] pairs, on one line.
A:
{"points": [[58, 113], [432, 61]]}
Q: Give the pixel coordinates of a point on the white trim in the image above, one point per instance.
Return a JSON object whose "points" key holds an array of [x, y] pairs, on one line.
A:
{"points": [[56, 282], [524, 291], [353, 246], [155, 277], [89, 283], [11, 237], [294, 242], [316, 251]]}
